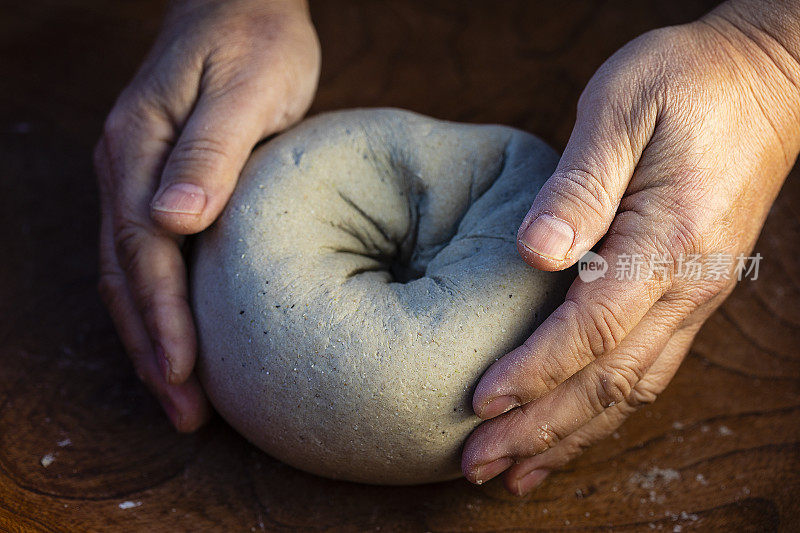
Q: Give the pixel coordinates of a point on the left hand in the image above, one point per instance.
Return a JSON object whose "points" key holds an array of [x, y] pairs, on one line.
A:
{"points": [[222, 75], [682, 141]]}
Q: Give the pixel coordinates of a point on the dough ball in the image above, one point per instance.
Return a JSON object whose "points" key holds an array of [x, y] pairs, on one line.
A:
{"points": [[361, 279]]}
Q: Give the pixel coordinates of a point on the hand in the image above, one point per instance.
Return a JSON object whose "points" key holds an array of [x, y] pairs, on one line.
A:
{"points": [[682, 141], [222, 75]]}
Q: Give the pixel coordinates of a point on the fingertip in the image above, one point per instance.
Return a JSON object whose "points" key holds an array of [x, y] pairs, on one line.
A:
{"points": [[184, 422], [546, 242], [492, 396], [498, 390], [192, 421], [186, 406], [484, 472], [522, 485], [485, 453]]}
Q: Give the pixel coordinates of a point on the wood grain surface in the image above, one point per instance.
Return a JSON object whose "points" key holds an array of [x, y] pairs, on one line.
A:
{"points": [[84, 447]]}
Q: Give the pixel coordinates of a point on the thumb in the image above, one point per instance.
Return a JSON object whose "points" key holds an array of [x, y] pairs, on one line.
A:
{"points": [[577, 204], [201, 171]]}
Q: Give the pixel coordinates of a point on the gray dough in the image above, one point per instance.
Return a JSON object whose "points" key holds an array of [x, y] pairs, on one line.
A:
{"points": [[362, 278]]}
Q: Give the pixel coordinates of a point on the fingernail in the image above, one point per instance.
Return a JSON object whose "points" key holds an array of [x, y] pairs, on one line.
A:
{"points": [[549, 237], [489, 470], [163, 363], [498, 406], [530, 481], [183, 198]]}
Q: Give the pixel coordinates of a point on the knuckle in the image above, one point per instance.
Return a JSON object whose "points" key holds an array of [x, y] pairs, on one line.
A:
{"points": [[555, 372], [130, 114], [642, 396], [109, 287], [199, 155], [550, 373], [540, 436], [532, 435], [694, 295], [684, 220], [544, 437], [601, 92], [685, 234], [242, 32], [626, 409], [142, 371], [576, 445], [583, 189], [227, 81], [709, 285], [600, 326], [712, 292], [611, 388], [644, 393], [681, 219], [116, 122], [128, 244]]}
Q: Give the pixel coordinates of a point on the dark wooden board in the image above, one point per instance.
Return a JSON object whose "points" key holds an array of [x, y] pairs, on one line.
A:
{"points": [[718, 450]]}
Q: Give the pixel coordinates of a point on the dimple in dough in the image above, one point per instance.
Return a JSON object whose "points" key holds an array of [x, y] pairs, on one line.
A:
{"points": [[361, 279]]}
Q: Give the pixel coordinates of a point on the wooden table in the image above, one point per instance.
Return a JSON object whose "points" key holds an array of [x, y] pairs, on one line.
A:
{"points": [[718, 450]]}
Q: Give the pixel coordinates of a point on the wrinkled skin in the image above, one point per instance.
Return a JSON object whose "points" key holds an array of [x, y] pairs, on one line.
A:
{"points": [[221, 77], [682, 141]]}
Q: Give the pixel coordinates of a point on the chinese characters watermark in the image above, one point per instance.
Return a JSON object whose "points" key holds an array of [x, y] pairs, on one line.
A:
{"points": [[638, 267]]}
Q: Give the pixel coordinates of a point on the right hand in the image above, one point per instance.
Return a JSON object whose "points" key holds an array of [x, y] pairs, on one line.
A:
{"points": [[222, 75]]}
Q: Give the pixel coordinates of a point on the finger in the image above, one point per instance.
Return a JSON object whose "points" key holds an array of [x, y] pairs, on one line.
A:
{"points": [[184, 404], [577, 204], [529, 473], [155, 276], [203, 167], [595, 317], [542, 424]]}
